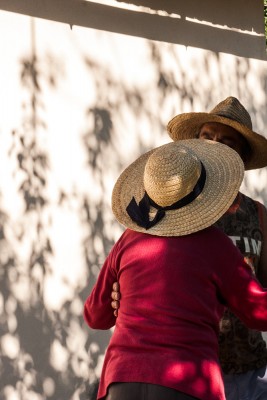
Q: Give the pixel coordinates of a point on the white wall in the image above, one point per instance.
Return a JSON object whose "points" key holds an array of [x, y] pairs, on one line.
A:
{"points": [[78, 105]]}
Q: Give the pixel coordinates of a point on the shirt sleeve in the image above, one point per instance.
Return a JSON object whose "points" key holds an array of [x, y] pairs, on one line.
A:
{"points": [[244, 295], [98, 312]]}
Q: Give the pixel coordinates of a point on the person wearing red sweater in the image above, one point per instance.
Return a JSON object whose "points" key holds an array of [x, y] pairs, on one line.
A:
{"points": [[177, 273], [242, 351]]}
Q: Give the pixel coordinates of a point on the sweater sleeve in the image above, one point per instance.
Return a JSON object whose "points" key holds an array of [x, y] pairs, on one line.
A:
{"points": [[98, 312], [244, 295]]}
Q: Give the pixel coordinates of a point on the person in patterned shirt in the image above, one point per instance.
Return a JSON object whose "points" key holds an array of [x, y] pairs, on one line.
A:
{"points": [[242, 351]]}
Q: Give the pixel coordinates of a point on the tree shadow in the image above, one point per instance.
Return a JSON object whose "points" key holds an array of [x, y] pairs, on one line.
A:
{"points": [[52, 354], [38, 349]]}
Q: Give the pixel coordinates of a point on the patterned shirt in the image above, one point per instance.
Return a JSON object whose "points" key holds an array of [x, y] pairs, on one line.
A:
{"points": [[242, 349]]}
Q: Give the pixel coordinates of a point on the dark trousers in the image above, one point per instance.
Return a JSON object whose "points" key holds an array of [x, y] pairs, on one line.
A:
{"points": [[144, 391]]}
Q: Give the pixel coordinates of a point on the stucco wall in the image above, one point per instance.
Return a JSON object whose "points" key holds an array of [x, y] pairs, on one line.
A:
{"points": [[77, 105]]}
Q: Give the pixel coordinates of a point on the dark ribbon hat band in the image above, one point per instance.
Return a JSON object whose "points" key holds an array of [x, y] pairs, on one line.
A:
{"points": [[139, 213]]}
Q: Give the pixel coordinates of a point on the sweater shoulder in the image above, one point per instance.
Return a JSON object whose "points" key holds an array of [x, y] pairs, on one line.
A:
{"points": [[220, 241]]}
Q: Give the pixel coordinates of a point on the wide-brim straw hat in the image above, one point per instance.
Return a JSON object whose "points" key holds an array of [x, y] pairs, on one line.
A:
{"points": [[170, 173], [228, 112]]}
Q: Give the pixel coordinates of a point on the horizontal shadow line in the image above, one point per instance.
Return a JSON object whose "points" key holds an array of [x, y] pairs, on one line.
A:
{"points": [[140, 24]]}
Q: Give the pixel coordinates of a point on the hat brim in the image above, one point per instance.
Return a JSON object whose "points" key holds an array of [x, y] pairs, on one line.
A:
{"points": [[187, 126], [224, 174]]}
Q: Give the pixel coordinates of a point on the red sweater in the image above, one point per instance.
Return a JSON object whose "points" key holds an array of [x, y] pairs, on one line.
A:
{"points": [[173, 294]]}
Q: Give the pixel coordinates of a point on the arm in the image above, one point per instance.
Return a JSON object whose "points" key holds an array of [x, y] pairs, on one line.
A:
{"points": [[97, 310], [245, 296], [262, 268]]}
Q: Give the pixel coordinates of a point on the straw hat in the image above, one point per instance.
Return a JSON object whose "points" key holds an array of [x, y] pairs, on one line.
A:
{"points": [[229, 112], [178, 188]]}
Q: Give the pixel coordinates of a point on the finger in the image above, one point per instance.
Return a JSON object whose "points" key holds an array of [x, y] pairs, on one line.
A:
{"points": [[115, 304], [115, 295], [115, 312], [116, 287]]}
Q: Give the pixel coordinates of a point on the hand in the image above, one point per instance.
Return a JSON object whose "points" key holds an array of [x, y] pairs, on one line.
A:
{"points": [[115, 295]]}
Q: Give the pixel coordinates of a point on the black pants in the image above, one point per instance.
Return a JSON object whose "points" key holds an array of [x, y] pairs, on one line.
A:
{"points": [[144, 391]]}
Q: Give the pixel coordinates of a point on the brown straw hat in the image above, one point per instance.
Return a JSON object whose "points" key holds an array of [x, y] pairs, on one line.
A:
{"points": [[228, 112], [178, 188]]}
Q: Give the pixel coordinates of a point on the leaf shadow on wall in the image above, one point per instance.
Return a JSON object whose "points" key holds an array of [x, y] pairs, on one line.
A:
{"points": [[38, 357], [36, 352]]}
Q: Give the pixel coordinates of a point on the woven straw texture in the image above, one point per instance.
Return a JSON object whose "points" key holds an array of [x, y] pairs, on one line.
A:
{"points": [[229, 112], [168, 173]]}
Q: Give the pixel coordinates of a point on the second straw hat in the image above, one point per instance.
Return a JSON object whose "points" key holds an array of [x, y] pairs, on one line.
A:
{"points": [[229, 112], [178, 188]]}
